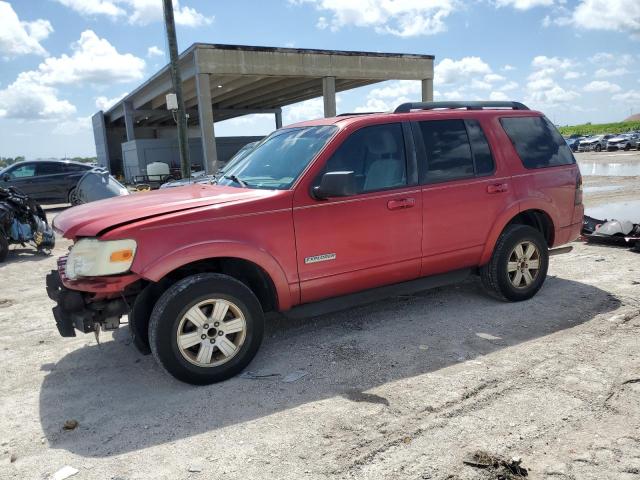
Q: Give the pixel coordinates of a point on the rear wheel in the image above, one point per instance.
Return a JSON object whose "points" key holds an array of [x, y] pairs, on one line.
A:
{"points": [[4, 247], [598, 148], [206, 328], [73, 197], [518, 266]]}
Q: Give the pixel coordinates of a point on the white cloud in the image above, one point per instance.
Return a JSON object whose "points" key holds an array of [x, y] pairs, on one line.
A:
{"points": [[607, 58], [614, 72], [94, 60], [154, 51], [450, 71], [523, 4], [571, 75], [542, 88], [383, 99], [306, 110], [602, 86], [508, 68], [611, 15], [493, 77], [94, 7], [73, 126], [498, 96], [480, 85], [509, 86], [19, 37], [138, 12], [104, 103], [629, 96], [27, 99], [404, 18], [542, 61]]}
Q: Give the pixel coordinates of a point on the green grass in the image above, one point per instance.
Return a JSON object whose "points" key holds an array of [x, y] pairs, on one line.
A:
{"points": [[598, 129]]}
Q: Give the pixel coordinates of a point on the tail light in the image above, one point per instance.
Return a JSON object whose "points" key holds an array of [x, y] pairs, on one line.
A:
{"points": [[578, 197]]}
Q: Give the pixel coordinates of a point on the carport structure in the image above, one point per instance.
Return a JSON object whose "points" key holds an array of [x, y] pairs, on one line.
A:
{"points": [[226, 81]]}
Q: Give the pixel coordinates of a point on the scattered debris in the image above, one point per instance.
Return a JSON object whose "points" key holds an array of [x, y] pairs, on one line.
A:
{"points": [[194, 469], [487, 336], [294, 376], [65, 472], [503, 468], [611, 232], [257, 376], [12, 458], [70, 424], [358, 396], [423, 347]]}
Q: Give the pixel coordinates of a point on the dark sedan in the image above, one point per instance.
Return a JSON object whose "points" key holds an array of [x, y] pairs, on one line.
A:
{"points": [[46, 181]]}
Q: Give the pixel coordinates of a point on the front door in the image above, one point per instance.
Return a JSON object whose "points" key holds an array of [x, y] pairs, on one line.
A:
{"points": [[370, 239], [21, 176]]}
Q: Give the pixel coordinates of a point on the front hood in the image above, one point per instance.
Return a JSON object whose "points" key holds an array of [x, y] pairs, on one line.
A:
{"points": [[617, 139], [92, 219]]}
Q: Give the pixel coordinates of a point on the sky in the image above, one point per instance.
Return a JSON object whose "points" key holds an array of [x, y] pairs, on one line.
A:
{"points": [[63, 60]]}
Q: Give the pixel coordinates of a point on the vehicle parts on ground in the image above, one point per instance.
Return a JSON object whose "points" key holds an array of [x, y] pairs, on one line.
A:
{"points": [[611, 232], [22, 222]]}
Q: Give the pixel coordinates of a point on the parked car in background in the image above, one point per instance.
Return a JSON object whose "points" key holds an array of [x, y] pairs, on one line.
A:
{"points": [[420, 197], [46, 181], [573, 143], [597, 143], [625, 141]]}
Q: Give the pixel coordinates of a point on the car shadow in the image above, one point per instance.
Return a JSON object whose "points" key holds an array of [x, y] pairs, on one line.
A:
{"points": [[24, 255], [124, 401]]}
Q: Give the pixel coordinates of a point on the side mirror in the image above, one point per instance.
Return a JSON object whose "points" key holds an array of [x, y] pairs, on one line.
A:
{"points": [[336, 184], [6, 177]]}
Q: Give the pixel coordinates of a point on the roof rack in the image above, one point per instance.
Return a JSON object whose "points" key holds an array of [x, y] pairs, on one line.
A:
{"points": [[407, 107]]}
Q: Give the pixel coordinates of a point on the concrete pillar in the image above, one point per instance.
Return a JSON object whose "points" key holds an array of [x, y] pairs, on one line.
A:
{"points": [[278, 115], [329, 96], [427, 90], [129, 121], [205, 114]]}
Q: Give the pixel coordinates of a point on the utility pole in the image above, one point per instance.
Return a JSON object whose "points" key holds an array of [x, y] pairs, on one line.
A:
{"points": [[176, 80]]}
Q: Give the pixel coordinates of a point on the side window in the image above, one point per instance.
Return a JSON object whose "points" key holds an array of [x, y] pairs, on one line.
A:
{"points": [[27, 170], [537, 142], [73, 168], [482, 159], [49, 168], [447, 150], [376, 155]]}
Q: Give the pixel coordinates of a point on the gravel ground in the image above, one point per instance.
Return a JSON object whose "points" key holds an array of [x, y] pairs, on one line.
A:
{"points": [[404, 388]]}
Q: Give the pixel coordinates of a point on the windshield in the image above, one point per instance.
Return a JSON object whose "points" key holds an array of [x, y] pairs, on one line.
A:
{"points": [[277, 161]]}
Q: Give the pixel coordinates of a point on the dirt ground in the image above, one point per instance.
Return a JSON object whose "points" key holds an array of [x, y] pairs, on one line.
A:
{"points": [[404, 388]]}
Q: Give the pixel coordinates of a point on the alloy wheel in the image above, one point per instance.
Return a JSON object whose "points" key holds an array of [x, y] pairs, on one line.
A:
{"points": [[523, 265]]}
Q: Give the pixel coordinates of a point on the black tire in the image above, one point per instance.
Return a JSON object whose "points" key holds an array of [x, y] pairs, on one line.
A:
{"points": [[4, 247], [495, 276], [170, 310], [72, 197], [598, 148], [627, 147]]}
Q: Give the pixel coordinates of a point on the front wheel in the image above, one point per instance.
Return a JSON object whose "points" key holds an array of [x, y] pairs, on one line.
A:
{"points": [[206, 328], [518, 266], [73, 197], [598, 148]]}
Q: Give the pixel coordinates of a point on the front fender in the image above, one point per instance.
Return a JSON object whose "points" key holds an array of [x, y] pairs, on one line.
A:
{"points": [[175, 259]]}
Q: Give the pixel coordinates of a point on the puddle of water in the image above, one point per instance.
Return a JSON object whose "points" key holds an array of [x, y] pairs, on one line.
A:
{"points": [[629, 210], [609, 169], [604, 188]]}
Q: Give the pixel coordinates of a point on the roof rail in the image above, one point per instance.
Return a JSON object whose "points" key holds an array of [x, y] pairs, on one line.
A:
{"points": [[351, 114], [479, 105]]}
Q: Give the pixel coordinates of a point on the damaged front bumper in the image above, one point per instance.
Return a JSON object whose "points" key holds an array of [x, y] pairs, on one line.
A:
{"points": [[91, 304]]}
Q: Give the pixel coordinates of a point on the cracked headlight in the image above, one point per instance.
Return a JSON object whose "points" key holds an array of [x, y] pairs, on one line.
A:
{"points": [[91, 257]]}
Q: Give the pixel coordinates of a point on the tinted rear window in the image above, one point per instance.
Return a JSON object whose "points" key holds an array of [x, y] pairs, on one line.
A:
{"points": [[537, 142]]}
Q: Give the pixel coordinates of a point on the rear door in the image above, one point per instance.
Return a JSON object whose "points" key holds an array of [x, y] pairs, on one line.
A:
{"points": [[51, 181], [369, 239], [462, 192]]}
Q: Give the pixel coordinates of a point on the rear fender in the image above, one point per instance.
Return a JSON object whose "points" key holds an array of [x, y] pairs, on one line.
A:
{"points": [[507, 215], [207, 250]]}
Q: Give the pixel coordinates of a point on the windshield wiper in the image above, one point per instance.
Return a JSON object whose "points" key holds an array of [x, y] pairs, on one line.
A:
{"points": [[239, 181]]}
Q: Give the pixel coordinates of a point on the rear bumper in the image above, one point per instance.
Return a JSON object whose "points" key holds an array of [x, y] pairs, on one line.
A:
{"points": [[567, 234]]}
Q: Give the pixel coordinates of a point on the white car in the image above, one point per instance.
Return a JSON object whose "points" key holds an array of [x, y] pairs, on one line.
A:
{"points": [[624, 141]]}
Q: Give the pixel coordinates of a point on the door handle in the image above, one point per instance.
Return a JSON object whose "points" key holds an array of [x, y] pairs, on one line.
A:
{"points": [[497, 188], [401, 203]]}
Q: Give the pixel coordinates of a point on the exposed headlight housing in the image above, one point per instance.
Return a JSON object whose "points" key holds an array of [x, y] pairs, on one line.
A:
{"points": [[90, 257]]}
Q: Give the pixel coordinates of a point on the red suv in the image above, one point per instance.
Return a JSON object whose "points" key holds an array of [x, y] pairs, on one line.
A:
{"points": [[316, 212]]}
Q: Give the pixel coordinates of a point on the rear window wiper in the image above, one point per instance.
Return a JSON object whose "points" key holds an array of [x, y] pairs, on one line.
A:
{"points": [[238, 180]]}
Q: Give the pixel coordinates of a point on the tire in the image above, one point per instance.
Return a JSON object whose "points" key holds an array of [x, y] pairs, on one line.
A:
{"points": [[72, 197], [627, 147], [4, 247], [495, 275], [208, 355], [598, 148]]}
